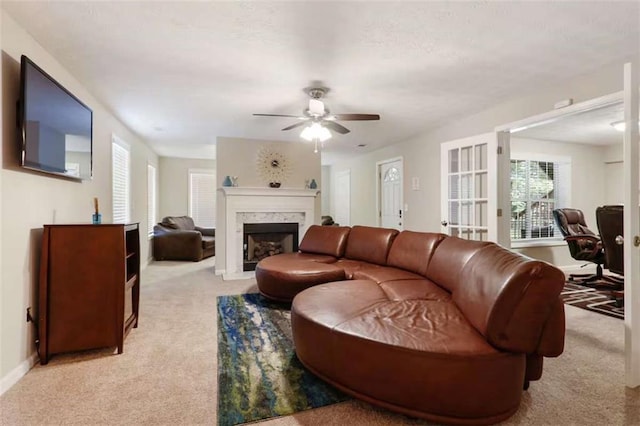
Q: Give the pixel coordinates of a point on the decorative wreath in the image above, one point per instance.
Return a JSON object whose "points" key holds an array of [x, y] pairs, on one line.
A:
{"points": [[273, 165]]}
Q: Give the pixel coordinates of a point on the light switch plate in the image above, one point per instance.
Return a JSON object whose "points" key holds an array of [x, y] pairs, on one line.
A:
{"points": [[415, 183]]}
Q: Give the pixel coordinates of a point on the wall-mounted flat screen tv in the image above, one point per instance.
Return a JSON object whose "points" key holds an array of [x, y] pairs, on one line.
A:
{"points": [[56, 128]]}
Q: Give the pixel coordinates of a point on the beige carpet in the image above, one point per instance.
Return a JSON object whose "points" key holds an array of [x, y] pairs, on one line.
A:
{"points": [[167, 373]]}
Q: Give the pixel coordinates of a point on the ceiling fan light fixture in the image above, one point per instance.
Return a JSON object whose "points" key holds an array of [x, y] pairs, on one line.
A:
{"points": [[316, 107], [620, 125], [315, 132]]}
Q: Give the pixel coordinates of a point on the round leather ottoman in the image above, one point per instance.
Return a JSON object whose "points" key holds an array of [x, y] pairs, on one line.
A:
{"points": [[281, 279]]}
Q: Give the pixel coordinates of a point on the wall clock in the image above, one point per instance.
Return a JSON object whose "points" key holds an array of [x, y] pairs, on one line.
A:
{"points": [[273, 165]]}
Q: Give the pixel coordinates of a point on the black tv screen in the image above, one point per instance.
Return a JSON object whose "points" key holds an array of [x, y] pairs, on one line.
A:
{"points": [[56, 128]]}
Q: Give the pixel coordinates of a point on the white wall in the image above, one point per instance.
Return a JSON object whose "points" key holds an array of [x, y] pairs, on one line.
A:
{"points": [[325, 195], [173, 188], [421, 153], [238, 157], [30, 199], [614, 178], [588, 188]]}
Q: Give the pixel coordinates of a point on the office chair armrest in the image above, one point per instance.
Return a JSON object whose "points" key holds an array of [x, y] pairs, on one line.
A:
{"points": [[588, 238]]}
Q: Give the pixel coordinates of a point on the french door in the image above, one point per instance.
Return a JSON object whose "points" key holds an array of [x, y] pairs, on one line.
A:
{"points": [[469, 188]]}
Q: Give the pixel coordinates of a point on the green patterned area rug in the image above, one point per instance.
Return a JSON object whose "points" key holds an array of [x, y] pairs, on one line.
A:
{"points": [[259, 375]]}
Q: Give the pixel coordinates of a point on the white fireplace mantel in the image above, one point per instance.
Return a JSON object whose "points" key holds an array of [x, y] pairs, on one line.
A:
{"points": [[236, 191], [256, 205]]}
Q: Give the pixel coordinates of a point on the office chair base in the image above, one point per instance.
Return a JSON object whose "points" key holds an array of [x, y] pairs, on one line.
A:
{"points": [[599, 281]]}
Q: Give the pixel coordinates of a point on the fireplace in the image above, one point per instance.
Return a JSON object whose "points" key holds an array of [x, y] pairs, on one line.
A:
{"points": [[262, 240]]}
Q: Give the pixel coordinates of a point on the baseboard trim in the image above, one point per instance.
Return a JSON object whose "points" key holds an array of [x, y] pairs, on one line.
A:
{"points": [[17, 373]]}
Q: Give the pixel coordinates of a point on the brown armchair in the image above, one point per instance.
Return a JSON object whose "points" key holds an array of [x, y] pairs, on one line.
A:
{"points": [[583, 244], [177, 238]]}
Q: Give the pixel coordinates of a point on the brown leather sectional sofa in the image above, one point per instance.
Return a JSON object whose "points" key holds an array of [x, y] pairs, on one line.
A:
{"points": [[428, 325]]}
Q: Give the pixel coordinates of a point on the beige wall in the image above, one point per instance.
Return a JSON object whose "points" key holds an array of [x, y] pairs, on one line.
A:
{"points": [[30, 199], [173, 188], [238, 157]]}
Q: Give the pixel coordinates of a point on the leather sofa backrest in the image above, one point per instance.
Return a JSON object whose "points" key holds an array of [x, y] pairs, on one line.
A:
{"points": [[370, 244], [509, 298], [448, 260], [184, 223], [412, 251], [329, 240]]}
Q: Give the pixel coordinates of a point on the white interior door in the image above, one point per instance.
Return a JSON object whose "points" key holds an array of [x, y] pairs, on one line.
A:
{"points": [[342, 198], [469, 188], [390, 208], [631, 227]]}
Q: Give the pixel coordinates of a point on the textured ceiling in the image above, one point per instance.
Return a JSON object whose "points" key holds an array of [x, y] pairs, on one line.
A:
{"points": [[591, 127], [181, 74]]}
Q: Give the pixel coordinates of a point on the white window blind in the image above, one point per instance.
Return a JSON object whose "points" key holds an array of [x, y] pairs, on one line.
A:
{"points": [[538, 186], [151, 198], [202, 197], [120, 162]]}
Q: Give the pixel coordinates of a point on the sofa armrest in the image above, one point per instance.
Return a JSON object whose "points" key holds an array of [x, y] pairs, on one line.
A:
{"points": [[209, 232], [178, 245]]}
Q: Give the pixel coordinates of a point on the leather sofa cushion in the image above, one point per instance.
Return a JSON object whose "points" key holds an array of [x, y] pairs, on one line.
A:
{"points": [[208, 242], [508, 297], [449, 259], [370, 244], [381, 274], [328, 240], [421, 357], [281, 279], [413, 250], [184, 223], [351, 266], [312, 257], [414, 289]]}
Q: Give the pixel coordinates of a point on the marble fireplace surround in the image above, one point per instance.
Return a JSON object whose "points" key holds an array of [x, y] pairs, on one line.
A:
{"points": [[261, 205]]}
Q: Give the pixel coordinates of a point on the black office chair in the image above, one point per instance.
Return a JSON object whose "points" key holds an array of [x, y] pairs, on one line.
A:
{"points": [[585, 245], [611, 228]]}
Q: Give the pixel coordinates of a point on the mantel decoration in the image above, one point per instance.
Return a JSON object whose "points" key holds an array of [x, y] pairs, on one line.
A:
{"points": [[273, 165]]}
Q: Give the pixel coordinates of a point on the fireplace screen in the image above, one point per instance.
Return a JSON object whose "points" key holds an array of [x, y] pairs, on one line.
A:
{"points": [[267, 239]]}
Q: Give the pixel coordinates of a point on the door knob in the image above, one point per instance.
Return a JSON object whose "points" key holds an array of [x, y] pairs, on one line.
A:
{"points": [[619, 240], [444, 223]]}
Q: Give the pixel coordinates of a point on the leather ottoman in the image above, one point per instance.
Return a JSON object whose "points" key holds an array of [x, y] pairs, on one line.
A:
{"points": [[281, 278]]}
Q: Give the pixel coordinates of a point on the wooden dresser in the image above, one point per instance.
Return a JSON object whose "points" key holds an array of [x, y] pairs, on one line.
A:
{"points": [[89, 287]]}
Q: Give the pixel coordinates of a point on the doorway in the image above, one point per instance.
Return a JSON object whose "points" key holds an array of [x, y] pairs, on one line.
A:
{"points": [[342, 198]]}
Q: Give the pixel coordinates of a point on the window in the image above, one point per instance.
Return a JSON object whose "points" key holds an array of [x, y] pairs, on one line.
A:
{"points": [[120, 162], [202, 197], [151, 199], [538, 186]]}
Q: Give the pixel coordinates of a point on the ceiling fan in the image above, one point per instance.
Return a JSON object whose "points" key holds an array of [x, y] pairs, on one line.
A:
{"points": [[318, 113]]}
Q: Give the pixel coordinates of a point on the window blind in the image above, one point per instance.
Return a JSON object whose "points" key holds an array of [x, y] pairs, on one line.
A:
{"points": [[537, 188], [202, 198], [151, 198], [121, 176]]}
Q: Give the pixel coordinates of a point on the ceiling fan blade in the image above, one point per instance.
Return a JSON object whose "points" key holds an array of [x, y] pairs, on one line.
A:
{"points": [[336, 127], [356, 117], [293, 126], [279, 115]]}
